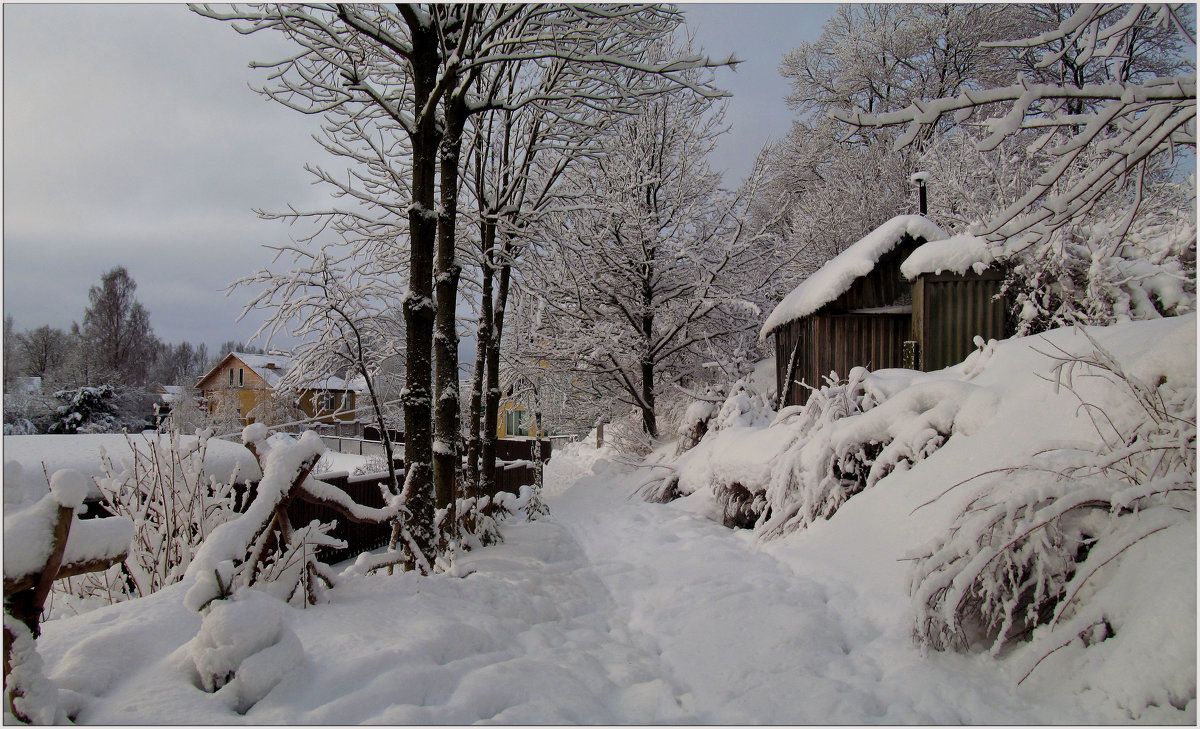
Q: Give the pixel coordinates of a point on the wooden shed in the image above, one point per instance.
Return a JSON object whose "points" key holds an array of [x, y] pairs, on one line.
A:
{"points": [[855, 311], [956, 297]]}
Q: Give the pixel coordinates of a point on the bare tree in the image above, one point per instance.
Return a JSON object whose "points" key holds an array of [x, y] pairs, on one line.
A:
{"points": [[1136, 119], [42, 350], [116, 329], [414, 63], [651, 263]]}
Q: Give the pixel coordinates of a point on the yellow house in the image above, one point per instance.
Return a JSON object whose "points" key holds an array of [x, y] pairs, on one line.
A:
{"points": [[245, 385]]}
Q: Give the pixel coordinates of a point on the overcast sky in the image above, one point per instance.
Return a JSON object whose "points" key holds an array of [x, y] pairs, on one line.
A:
{"points": [[131, 138]]}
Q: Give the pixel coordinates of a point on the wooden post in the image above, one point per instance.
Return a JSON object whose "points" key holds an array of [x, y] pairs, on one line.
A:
{"points": [[600, 434]]}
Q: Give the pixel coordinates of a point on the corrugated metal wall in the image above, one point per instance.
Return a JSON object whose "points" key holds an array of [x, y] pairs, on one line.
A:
{"points": [[954, 310]]}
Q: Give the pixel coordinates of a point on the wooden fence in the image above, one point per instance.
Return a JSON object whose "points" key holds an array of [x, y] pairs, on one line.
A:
{"points": [[514, 469]]}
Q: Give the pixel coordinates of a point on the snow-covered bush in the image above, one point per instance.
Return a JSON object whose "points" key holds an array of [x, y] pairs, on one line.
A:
{"points": [[99, 409], [694, 424], [260, 548], [174, 504], [1050, 549], [244, 648], [20, 426], [1106, 272]]}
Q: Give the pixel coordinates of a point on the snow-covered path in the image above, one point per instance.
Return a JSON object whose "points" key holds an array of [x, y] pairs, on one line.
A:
{"points": [[610, 611], [750, 640]]}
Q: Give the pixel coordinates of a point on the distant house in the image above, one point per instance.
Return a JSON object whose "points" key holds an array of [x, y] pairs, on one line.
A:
{"points": [[164, 400], [862, 306], [247, 385]]}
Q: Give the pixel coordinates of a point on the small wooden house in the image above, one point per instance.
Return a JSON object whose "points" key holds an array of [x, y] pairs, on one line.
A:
{"points": [[861, 308]]}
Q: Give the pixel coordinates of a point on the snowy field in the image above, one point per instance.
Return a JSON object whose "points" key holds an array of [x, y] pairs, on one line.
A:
{"points": [[613, 610]]}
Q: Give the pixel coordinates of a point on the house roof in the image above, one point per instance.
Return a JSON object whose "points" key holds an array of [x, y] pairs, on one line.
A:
{"points": [[273, 367], [835, 277], [956, 254]]}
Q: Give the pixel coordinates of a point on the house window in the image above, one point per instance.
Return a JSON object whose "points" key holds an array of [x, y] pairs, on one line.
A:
{"points": [[331, 401], [231, 377], [241, 377], [347, 401], [514, 422]]}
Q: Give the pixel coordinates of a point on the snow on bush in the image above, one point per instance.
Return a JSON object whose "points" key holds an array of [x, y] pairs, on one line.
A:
{"points": [[1104, 273], [245, 648], [1053, 548], [247, 551], [164, 489]]}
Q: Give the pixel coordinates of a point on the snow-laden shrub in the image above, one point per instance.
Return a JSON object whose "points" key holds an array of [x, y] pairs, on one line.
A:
{"points": [[694, 424], [1101, 273], [852, 433], [1040, 550], [20, 426], [174, 505], [260, 548]]}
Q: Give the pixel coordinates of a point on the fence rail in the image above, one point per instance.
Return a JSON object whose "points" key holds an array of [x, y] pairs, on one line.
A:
{"points": [[515, 468]]}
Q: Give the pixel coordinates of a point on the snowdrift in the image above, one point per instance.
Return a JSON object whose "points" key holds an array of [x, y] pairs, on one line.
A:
{"points": [[1025, 502]]}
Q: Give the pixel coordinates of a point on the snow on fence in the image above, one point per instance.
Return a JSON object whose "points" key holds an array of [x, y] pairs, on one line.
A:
{"points": [[355, 446], [514, 468]]}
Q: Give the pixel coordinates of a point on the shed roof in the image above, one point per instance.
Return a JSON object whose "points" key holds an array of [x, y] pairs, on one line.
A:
{"points": [[835, 277], [956, 254]]}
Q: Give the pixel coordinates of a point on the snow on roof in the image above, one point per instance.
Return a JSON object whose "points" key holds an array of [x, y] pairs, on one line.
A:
{"points": [[836, 276], [956, 254], [270, 367]]}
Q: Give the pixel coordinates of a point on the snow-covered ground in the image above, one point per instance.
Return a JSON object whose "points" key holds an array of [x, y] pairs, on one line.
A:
{"points": [[610, 611], [613, 610]]}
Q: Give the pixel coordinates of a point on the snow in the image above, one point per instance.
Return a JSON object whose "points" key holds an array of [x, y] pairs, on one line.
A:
{"points": [[835, 277], [69, 488], [612, 610], [29, 530], [956, 254], [37, 455]]}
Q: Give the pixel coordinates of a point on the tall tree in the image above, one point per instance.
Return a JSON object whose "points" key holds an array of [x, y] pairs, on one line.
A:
{"points": [[841, 182], [653, 261], [10, 363], [1101, 232], [116, 329], [43, 350], [409, 62]]}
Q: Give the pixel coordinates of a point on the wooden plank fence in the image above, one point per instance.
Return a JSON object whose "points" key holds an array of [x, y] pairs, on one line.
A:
{"points": [[514, 469]]}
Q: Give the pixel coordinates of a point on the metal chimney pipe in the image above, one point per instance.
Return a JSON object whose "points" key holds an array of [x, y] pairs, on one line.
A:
{"points": [[919, 178]]}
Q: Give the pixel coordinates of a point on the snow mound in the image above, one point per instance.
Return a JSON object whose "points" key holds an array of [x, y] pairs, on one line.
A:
{"points": [[38, 455], [956, 254], [835, 277], [245, 648]]}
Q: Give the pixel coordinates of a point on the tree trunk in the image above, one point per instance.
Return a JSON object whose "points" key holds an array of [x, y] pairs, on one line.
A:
{"points": [[446, 462], [649, 419], [484, 339], [418, 304], [492, 400]]}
